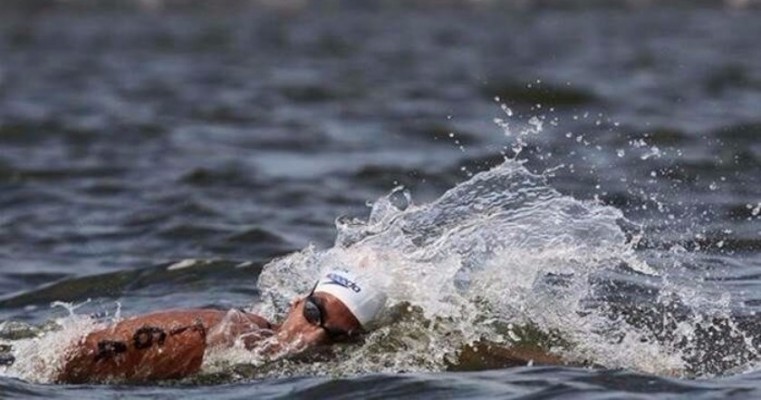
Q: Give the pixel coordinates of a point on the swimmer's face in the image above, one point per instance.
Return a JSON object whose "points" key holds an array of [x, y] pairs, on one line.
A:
{"points": [[317, 319]]}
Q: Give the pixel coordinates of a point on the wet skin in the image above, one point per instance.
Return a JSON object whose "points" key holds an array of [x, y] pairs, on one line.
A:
{"points": [[171, 344], [337, 323]]}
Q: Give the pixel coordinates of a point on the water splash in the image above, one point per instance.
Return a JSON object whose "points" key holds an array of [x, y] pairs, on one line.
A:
{"points": [[502, 249], [38, 351], [504, 258]]}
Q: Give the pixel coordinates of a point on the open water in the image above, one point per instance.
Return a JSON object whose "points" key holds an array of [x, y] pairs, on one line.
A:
{"points": [[590, 172]]}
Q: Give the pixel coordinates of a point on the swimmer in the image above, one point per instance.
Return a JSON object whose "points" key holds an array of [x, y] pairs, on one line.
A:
{"points": [[171, 344]]}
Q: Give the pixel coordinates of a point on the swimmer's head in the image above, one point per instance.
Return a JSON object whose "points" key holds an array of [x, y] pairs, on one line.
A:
{"points": [[340, 305], [364, 300]]}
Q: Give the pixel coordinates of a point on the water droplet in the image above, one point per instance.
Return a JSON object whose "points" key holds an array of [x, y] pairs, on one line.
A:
{"points": [[654, 152], [517, 148], [536, 123]]}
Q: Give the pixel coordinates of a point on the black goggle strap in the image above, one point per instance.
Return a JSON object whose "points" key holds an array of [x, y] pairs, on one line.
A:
{"points": [[311, 292]]}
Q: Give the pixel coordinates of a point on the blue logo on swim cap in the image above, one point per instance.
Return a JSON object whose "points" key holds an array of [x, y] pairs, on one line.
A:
{"points": [[339, 280]]}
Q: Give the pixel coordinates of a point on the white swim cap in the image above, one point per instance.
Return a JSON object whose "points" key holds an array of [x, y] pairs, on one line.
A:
{"points": [[358, 295]]}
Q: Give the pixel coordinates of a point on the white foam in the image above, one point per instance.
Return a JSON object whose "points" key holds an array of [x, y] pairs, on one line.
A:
{"points": [[483, 252]]}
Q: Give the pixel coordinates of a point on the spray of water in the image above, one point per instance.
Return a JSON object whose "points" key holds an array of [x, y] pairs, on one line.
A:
{"points": [[38, 354], [502, 257], [499, 251]]}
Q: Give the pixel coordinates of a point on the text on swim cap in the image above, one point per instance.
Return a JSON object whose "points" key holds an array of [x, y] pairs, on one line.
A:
{"points": [[342, 281]]}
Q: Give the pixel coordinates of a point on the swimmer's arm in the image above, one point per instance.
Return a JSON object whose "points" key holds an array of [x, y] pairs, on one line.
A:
{"points": [[163, 345], [240, 327]]}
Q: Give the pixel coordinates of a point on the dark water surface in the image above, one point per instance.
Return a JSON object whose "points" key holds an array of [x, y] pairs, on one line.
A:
{"points": [[130, 141]]}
